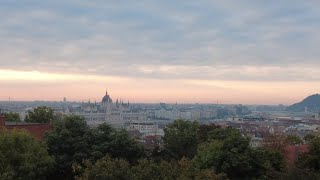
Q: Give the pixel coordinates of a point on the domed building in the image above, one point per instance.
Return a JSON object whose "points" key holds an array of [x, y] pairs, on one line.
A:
{"points": [[115, 114], [106, 99]]}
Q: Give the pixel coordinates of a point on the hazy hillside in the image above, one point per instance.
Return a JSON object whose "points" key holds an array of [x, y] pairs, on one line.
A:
{"points": [[312, 102]]}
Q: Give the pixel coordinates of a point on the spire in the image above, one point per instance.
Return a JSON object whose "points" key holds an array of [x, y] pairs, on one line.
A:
{"points": [[106, 91]]}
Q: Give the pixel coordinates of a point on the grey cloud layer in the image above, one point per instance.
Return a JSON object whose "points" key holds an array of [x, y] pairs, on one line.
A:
{"points": [[205, 40]]}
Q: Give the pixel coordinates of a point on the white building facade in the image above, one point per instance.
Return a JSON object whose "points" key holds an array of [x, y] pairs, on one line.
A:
{"points": [[114, 113]]}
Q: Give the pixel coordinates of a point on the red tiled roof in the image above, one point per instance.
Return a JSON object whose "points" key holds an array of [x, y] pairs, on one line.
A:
{"points": [[37, 130]]}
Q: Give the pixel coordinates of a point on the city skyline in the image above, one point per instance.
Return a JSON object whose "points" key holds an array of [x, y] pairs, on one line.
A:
{"points": [[193, 52], [118, 97]]}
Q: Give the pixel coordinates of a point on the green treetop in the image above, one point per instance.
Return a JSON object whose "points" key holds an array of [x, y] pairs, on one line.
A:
{"points": [[180, 138], [12, 117], [23, 157], [41, 114]]}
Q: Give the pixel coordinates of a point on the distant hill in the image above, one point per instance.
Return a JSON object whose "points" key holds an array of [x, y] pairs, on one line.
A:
{"points": [[312, 103]]}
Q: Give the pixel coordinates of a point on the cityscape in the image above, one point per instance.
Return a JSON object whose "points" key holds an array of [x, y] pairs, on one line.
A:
{"points": [[149, 120], [159, 90]]}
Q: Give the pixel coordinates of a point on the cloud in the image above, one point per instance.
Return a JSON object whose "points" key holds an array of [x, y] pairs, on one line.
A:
{"points": [[229, 40]]}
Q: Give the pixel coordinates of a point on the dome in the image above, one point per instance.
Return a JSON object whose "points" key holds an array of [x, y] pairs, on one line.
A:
{"points": [[106, 98]]}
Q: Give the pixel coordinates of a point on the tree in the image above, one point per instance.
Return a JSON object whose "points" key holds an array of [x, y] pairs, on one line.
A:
{"points": [[72, 141], [114, 168], [308, 163], [23, 157], [268, 164], [222, 134], [311, 159], [276, 142], [232, 156], [187, 170], [228, 151], [146, 169], [105, 168], [204, 130], [12, 117], [68, 143], [309, 137], [41, 114], [106, 140], [180, 138], [294, 140]]}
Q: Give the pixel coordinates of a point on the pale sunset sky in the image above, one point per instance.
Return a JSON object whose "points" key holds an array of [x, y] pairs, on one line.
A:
{"points": [[233, 51]]}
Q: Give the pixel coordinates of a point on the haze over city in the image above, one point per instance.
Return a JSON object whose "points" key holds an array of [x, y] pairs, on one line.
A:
{"points": [[246, 52]]}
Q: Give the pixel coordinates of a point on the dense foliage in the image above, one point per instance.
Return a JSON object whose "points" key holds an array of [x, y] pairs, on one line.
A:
{"points": [[276, 142], [311, 160], [227, 151], [23, 157], [204, 130], [294, 140], [109, 168], [190, 151], [12, 117], [73, 141], [41, 114], [180, 138]]}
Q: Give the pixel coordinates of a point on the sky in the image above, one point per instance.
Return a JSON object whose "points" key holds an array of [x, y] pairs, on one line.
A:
{"points": [[206, 51]]}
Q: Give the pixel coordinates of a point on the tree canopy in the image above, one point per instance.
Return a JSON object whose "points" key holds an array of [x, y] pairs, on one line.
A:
{"points": [[114, 168], [190, 151], [72, 141], [106, 140], [23, 157], [309, 137], [180, 138], [67, 142], [311, 159], [41, 114], [204, 130], [12, 117], [228, 151], [294, 140], [276, 142]]}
